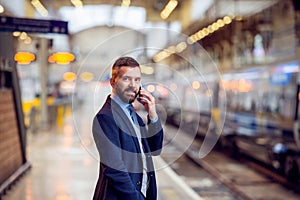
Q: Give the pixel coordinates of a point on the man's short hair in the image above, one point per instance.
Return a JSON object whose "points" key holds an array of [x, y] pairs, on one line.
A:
{"points": [[123, 61]]}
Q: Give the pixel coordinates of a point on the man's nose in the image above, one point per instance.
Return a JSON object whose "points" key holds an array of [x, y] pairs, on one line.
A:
{"points": [[132, 83]]}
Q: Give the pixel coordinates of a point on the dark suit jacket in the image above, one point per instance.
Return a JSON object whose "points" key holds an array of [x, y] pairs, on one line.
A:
{"points": [[120, 174]]}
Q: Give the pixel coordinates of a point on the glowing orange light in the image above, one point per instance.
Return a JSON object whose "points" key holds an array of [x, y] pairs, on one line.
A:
{"points": [[61, 58], [86, 76], [24, 58], [244, 86], [196, 85], [69, 76], [151, 88]]}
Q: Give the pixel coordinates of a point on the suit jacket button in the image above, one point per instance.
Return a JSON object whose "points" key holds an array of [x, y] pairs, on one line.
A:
{"points": [[138, 183]]}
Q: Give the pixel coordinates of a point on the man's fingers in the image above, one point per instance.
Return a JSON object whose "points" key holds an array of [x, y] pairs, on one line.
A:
{"points": [[146, 96]]}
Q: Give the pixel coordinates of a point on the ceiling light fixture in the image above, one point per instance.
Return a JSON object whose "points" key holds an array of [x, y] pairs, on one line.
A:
{"points": [[40, 7], [24, 58], [1, 9], [209, 29], [168, 9], [77, 3], [125, 3], [69, 76], [169, 51], [61, 58], [86, 76]]}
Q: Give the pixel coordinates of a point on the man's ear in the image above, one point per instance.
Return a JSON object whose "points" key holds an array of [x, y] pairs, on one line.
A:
{"points": [[112, 82]]}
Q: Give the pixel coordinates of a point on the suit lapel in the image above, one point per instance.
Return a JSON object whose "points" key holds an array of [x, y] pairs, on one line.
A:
{"points": [[123, 122]]}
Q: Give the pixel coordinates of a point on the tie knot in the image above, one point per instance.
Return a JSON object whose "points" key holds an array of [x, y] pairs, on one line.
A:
{"points": [[132, 113], [130, 108]]}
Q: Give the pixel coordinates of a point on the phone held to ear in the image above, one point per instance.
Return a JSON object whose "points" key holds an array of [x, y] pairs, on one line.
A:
{"points": [[138, 94]]}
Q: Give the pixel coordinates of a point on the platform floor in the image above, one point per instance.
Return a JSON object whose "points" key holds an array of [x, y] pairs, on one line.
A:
{"points": [[65, 165]]}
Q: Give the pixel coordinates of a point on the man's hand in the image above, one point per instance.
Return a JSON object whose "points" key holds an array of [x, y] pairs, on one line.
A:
{"points": [[148, 102]]}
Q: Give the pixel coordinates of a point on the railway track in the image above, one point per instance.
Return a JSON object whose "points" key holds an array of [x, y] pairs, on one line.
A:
{"points": [[227, 178]]}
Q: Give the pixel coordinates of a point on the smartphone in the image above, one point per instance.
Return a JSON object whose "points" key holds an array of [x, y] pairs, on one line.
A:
{"points": [[138, 94]]}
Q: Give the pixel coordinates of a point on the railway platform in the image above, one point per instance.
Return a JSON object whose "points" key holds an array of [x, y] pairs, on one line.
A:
{"points": [[64, 167]]}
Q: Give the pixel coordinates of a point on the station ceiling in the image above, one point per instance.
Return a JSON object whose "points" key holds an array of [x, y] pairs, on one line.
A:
{"points": [[184, 13], [188, 12], [153, 7]]}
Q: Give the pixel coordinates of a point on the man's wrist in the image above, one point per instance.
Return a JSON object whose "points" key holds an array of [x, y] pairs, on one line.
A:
{"points": [[152, 119]]}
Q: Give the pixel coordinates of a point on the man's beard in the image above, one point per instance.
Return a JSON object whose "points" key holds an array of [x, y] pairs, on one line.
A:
{"points": [[125, 98]]}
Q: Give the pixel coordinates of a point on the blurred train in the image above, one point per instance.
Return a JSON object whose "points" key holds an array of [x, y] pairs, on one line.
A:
{"points": [[258, 108]]}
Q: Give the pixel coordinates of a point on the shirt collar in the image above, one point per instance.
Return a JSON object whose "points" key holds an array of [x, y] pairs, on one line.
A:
{"points": [[117, 99]]}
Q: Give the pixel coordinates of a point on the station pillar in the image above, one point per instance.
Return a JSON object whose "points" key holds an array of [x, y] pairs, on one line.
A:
{"points": [[43, 72]]}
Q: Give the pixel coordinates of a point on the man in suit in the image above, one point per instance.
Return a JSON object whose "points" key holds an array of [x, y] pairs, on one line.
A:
{"points": [[125, 144]]}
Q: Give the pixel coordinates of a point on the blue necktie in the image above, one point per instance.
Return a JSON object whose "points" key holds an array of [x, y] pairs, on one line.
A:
{"points": [[145, 183], [132, 113]]}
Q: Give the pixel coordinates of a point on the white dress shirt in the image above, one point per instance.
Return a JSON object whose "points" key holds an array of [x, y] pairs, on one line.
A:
{"points": [[134, 122]]}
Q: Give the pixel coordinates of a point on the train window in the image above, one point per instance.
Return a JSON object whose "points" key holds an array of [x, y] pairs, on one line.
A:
{"points": [[281, 98], [261, 94], [287, 101]]}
